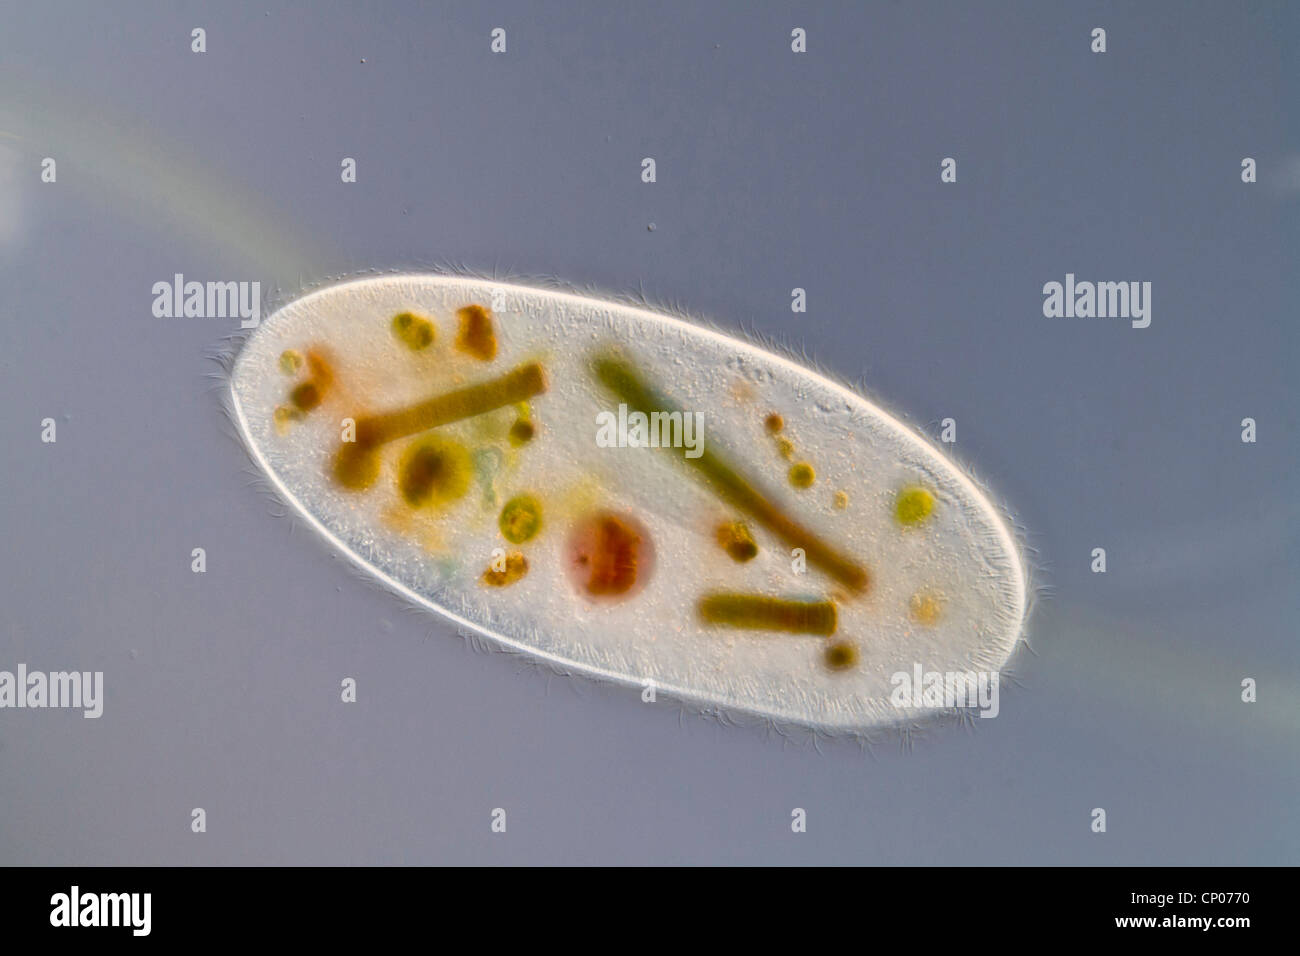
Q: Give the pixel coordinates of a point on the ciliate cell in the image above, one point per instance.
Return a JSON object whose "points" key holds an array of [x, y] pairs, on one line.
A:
{"points": [[626, 494]]}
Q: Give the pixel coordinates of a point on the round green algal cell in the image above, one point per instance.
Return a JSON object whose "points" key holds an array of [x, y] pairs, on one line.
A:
{"points": [[913, 506], [413, 331], [521, 519]]}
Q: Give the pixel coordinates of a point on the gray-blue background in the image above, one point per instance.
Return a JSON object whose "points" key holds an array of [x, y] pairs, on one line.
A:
{"points": [[775, 170]]}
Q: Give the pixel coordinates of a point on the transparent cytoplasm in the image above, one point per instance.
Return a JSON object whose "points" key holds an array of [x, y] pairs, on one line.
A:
{"points": [[626, 494]]}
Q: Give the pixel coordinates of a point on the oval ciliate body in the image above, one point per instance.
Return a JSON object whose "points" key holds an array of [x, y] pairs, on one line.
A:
{"points": [[626, 494]]}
